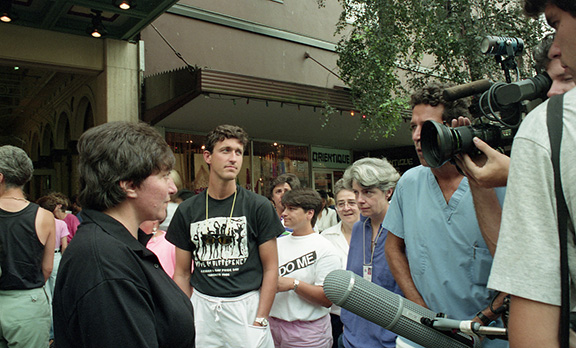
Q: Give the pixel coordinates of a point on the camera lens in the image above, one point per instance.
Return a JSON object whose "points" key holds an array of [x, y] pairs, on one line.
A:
{"points": [[440, 143]]}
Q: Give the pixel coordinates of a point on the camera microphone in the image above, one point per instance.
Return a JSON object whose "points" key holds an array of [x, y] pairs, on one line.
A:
{"points": [[502, 46], [391, 311], [466, 90]]}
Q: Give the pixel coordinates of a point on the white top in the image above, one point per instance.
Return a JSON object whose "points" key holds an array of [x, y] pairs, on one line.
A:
{"points": [[170, 210], [309, 259], [336, 237], [329, 219]]}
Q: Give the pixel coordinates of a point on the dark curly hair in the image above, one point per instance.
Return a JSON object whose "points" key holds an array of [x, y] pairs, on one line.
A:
{"points": [[534, 8], [540, 53], [432, 94], [223, 132]]}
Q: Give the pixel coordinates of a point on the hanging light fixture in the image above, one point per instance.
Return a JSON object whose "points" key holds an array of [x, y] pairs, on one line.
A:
{"points": [[6, 14], [125, 4], [97, 29]]}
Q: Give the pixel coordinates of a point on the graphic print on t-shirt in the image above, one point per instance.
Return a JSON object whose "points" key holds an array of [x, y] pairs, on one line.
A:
{"points": [[298, 263], [219, 250]]}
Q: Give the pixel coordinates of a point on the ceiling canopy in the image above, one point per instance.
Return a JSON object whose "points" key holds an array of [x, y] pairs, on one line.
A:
{"points": [[79, 17]]}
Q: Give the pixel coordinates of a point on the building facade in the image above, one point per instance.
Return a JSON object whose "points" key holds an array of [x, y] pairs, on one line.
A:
{"points": [[268, 66]]}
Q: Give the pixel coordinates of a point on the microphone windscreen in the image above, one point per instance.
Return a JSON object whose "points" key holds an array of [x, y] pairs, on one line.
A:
{"points": [[466, 90], [389, 310]]}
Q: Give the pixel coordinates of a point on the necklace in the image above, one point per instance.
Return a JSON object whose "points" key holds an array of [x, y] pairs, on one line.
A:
{"points": [[231, 212], [16, 198]]}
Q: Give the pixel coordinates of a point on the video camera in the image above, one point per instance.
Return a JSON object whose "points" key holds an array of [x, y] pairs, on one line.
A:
{"points": [[502, 104]]}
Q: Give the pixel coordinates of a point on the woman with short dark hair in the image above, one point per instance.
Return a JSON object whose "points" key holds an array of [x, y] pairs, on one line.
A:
{"points": [[111, 291]]}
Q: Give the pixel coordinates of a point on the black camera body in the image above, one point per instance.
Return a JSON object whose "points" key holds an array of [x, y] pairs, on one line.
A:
{"points": [[502, 104], [441, 143]]}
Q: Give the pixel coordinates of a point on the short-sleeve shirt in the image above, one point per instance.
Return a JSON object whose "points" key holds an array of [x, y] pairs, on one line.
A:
{"points": [[309, 259], [225, 249], [527, 260], [448, 257], [61, 232]]}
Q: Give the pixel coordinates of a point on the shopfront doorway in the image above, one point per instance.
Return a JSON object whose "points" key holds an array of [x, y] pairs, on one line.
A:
{"points": [[324, 179]]}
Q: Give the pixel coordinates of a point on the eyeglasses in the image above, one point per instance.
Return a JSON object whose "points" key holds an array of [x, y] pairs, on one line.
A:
{"points": [[342, 205], [222, 239]]}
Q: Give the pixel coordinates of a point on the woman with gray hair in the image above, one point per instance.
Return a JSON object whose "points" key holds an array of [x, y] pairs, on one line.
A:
{"points": [[27, 235], [372, 180]]}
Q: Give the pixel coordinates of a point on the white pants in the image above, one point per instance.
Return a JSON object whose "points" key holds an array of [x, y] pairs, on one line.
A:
{"points": [[51, 281], [227, 322]]}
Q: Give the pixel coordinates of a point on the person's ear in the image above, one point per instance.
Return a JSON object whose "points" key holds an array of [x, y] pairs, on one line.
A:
{"points": [[310, 214], [207, 157], [389, 194], [128, 187]]}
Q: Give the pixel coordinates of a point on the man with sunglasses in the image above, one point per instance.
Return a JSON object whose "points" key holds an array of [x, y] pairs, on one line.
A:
{"points": [[230, 234]]}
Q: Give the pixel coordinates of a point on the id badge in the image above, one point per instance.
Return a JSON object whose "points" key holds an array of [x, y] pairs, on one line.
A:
{"points": [[367, 272]]}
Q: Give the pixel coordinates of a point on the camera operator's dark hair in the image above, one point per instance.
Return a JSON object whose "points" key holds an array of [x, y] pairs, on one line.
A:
{"points": [[287, 178], [223, 132], [534, 8], [432, 94], [540, 53], [305, 198], [114, 152]]}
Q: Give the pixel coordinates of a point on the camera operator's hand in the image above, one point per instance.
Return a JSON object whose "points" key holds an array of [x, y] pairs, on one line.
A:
{"points": [[487, 170]]}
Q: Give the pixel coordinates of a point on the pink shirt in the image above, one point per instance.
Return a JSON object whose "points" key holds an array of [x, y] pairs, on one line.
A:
{"points": [[164, 250], [61, 231], [72, 221]]}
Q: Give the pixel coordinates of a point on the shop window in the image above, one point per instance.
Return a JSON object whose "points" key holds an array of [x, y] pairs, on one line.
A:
{"points": [[188, 150], [273, 159]]}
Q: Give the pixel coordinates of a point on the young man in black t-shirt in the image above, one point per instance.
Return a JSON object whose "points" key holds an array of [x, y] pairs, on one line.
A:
{"points": [[230, 234]]}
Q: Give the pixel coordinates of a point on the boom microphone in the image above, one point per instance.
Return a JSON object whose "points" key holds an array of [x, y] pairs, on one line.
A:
{"points": [[466, 90], [390, 310]]}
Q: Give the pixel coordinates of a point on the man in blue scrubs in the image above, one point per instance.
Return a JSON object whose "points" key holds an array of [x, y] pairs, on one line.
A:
{"points": [[435, 248]]}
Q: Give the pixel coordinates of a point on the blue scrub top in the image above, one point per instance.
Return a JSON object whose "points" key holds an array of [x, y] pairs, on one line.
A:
{"points": [[448, 257]]}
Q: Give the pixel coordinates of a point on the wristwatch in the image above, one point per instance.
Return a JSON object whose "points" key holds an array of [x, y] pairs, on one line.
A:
{"points": [[296, 283], [262, 321], [483, 318]]}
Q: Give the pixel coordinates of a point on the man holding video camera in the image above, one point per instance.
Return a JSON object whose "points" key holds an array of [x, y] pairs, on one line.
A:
{"points": [[435, 248], [527, 260]]}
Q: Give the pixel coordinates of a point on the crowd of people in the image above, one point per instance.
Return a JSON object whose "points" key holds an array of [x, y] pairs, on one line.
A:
{"points": [[153, 265]]}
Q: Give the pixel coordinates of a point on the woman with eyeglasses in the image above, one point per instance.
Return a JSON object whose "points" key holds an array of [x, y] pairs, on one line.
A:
{"points": [[340, 235]]}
